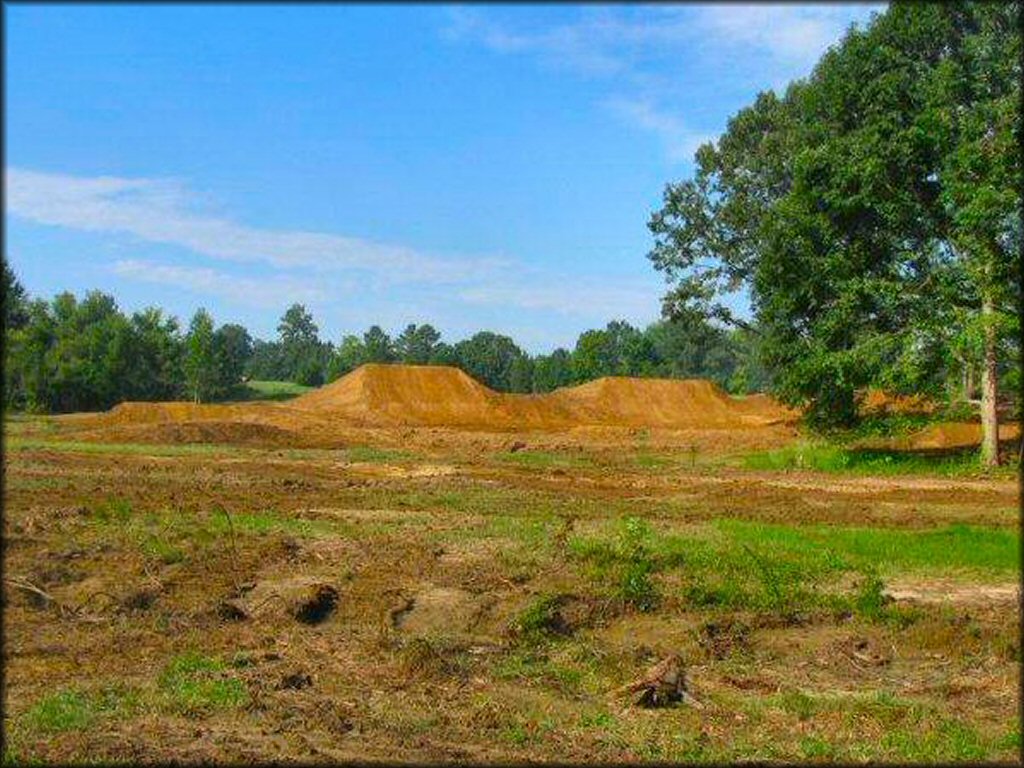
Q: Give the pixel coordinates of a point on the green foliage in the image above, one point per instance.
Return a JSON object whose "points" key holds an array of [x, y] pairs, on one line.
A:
{"points": [[870, 210], [627, 561], [539, 618], [200, 362], [490, 358]]}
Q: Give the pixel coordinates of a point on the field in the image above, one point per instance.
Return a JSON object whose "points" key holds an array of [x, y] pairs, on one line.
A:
{"points": [[300, 581]]}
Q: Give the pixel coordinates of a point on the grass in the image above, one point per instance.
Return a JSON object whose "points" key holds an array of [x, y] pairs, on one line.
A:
{"points": [[193, 684], [370, 454], [544, 459], [271, 390], [13, 443], [782, 570], [823, 457]]}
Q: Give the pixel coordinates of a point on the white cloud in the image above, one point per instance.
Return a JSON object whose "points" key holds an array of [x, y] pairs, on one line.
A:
{"points": [[287, 266], [163, 211], [632, 46], [795, 34], [263, 293], [680, 142]]}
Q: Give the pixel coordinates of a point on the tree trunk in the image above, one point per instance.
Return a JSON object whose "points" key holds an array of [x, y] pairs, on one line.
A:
{"points": [[989, 418]]}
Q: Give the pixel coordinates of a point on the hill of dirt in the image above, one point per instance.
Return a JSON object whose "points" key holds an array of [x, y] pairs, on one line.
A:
{"points": [[438, 396], [442, 396]]}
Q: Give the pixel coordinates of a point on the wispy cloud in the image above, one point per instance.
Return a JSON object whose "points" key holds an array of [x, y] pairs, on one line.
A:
{"points": [[284, 266], [630, 46], [264, 293], [794, 34], [165, 211], [679, 140]]}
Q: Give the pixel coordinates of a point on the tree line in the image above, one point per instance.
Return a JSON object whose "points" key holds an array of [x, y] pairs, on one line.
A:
{"points": [[78, 354], [873, 211]]}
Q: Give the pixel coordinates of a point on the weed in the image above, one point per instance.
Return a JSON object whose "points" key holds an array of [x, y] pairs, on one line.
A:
{"points": [[541, 618]]}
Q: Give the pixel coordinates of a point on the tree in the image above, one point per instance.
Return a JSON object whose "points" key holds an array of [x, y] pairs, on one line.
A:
{"points": [[15, 301], [489, 357], [304, 357], [157, 357], [200, 363], [232, 349], [867, 211], [974, 102], [377, 346], [520, 375], [349, 355], [553, 371], [417, 344]]}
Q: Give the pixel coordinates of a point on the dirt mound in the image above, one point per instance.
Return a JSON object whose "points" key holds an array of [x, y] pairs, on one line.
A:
{"points": [[443, 396], [674, 403], [877, 402], [405, 394], [434, 396], [202, 431], [956, 435]]}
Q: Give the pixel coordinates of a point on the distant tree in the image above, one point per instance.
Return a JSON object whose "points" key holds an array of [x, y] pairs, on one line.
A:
{"points": [[305, 359], [443, 354], [157, 357], [28, 364], [200, 362], [349, 355], [520, 375], [267, 362], [489, 358], [232, 349], [417, 344], [552, 371], [377, 346], [15, 300]]}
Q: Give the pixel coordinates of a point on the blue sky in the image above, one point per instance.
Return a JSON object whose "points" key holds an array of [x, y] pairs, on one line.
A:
{"points": [[476, 167]]}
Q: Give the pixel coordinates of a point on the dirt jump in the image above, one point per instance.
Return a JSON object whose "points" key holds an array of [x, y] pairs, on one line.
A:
{"points": [[389, 396]]}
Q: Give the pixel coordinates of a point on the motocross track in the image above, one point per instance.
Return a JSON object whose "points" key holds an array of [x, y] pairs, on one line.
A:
{"points": [[388, 396], [406, 565]]}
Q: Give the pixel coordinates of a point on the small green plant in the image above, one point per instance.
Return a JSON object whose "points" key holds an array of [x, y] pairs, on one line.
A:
{"points": [[871, 600], [636, 566], [114, 510], [539, 619], [162, 550]]}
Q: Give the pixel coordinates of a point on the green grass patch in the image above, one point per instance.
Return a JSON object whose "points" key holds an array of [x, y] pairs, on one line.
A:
{"points": [[788, 570], [144, 449], [73, 710], [193, 685], [371, 454], [270, 390], [821, 457]]}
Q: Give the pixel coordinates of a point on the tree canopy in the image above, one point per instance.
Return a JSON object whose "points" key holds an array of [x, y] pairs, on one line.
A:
{"points": [[871, 211]]}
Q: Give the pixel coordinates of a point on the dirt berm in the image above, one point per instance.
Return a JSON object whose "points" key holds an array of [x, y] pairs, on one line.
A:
{"points": [[438, 396], [443, 396]]}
